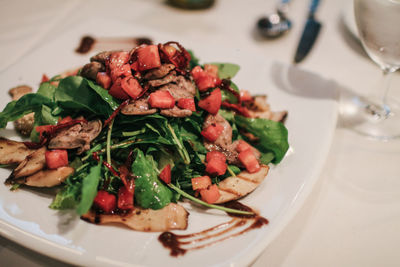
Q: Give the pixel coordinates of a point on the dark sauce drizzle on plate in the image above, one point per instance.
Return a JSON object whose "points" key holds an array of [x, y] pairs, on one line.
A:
{"points": [[88, 43], [180, 244]]}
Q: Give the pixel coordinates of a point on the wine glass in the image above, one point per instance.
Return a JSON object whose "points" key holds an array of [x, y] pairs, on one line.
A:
{"points": [[378, 23]]}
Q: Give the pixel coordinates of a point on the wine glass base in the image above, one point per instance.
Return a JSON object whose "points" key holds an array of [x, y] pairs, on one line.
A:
{"points": [[370, 120]]}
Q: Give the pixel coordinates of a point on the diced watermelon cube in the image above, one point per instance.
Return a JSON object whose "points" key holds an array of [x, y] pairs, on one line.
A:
{"points": [[131, 86], [56, 158], [103, 79], [117, 59], [249, 160], [148, 57], [242, 146], [211, 194], [105, 201], [216, 166], [202, 182], [161, 99], [125, 198], [165, 174], [121, 71], [212, 103], [245, 95], [117, 91], [203, 80], [212, 132], [212, 70], [215, 155], [186, 103]]}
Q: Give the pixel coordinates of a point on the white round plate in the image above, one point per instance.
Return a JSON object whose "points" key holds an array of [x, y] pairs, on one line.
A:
{"points": [[310, 100]]}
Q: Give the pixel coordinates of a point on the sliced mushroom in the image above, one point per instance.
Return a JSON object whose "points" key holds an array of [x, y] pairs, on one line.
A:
{"points": [[138, 107], [238, 186], [259, 108], [91, 69], [47, 178], [13, 152], [171, 77], [78, 136], [159, 72], [31, 164], [101, 57], [172, 216], [176, 112], [25, 124]]}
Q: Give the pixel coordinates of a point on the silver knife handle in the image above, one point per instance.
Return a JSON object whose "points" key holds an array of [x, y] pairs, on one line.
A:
{"points": [[313, 7]]}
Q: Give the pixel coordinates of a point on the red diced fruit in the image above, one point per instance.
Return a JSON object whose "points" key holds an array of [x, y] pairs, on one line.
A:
{"points": [[211, 194], [203, 80], [212, 103], [121, 71], [215, 155], [211, 70], [202, 182], [117, 91], [212, 132], [131, 86], [242, 146], [245, 95], [117, 59], [161, 99], [105, 201], [186, 103], [249, 160], [56, 158], [165, 174], [125, 198], [148, 57], [103, 80], [216, 166]]}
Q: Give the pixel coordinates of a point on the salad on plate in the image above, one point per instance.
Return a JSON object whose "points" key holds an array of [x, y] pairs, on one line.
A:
{"points": [[130, 134]]}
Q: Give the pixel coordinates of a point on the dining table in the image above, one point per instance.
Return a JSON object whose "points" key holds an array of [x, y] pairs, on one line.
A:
{"points": [[351, 215]]}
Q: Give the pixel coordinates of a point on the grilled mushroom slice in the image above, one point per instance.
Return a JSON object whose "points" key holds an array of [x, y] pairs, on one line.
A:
{"points": [[13, 152], [47, 178], [78, 136], [31, 164], [170, 217], [238, 186]]}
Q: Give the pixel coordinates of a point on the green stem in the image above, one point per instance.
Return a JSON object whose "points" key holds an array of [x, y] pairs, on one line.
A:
{"points": [[196, 200], [108, 145], [100, 151], [133, 133], [181, 149], [81, 167], [230, 171]]}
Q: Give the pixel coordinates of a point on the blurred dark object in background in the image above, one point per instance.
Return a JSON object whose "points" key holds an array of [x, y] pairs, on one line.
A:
{"points": [[191, 4]]}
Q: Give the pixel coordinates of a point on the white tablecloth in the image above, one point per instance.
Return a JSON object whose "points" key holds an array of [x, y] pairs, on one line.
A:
{"points": [[352, 216]]}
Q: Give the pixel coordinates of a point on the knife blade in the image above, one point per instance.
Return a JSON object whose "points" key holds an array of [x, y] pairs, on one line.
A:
{"points": [[310, 33]]}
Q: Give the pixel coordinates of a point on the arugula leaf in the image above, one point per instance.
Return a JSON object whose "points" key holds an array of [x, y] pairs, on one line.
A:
{"points": [[273, 135], [43, 116], [74, 93], [150, 192], [26, 104], [89, 188], [66, 198], [226, 70], [103, 93], [47, 89]]}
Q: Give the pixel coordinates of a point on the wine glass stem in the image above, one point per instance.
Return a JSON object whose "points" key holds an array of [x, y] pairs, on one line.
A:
{"points": [[382, 109]]}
